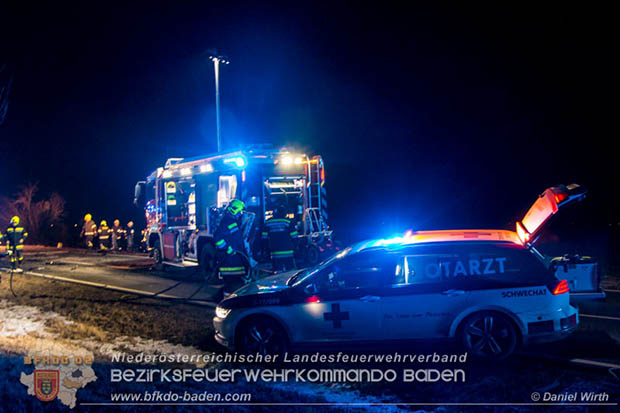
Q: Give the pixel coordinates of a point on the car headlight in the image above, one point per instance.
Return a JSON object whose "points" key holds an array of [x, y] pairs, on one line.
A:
{"points": [[221, 312]]}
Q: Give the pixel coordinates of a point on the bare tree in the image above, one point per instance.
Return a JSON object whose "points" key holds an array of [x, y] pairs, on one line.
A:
{"points": [[34, 214], [5, 89]]}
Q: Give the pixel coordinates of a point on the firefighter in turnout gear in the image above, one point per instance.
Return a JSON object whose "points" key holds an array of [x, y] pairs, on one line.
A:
{"points": [[229, 243], [131, 237], [15, 235], [89, 231], [280, 234], [104, 235], [117, 235]]}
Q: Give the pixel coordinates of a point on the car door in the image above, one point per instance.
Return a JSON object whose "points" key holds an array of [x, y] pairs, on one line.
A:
{"points": [[421, 300], [342, 302], [510, 277]]}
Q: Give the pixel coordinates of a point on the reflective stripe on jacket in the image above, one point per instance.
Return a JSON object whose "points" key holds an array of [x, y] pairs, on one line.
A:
{"points": [[228, 236], [280, 233], [15, 235]]}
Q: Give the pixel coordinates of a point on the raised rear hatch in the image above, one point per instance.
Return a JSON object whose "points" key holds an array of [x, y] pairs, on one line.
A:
{"points": [[581, 273]]}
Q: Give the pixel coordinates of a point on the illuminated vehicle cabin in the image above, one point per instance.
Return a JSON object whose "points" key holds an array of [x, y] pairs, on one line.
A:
{"points": [[489, 289], [185, 199]]}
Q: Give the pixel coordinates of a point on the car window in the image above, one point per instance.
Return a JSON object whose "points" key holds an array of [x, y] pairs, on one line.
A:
{"points": [[507, 264], [420, 268], [470, 265], [311, 273], [363, 270]]}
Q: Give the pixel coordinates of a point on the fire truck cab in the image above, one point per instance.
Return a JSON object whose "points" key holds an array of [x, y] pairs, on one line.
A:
{"points": [[185, 199]]}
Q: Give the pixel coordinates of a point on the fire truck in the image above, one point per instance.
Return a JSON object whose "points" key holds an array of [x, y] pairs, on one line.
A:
{"points": [[185, 199]]}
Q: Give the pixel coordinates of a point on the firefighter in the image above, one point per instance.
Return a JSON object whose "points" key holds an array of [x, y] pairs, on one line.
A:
{"points": [[229, 243], [143, 244], [104, 235], [131, 237], [15, 235], [117, 235], [89, 231], [280, 234]]}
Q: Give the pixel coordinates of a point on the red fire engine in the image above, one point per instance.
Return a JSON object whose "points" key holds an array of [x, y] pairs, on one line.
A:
{"points": [[185, 199]]}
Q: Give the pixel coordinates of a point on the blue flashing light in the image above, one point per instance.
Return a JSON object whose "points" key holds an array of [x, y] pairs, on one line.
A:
{"points": [[407, 238], [238, 161], [389, 241]]}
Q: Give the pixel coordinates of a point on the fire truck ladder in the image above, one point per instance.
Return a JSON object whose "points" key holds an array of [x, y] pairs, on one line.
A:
{"points": [[316, 204]]}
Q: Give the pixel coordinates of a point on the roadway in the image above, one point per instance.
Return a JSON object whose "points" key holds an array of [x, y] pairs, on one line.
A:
{"points": [[131, 273]]}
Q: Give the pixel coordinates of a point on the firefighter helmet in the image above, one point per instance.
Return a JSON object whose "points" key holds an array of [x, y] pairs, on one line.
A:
{"points": [[104, 222], [130, 224], [15, 220], [88, 217], [236, 206], [117, 222]]}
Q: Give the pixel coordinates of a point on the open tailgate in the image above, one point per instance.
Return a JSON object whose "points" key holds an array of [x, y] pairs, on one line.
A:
{"points": [[581, 273], [545, 207]]}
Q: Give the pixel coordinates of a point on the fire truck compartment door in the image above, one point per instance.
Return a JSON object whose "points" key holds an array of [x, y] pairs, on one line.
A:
{"points": [[227, 190], [169, 245], [206, 196], [547, 205]]}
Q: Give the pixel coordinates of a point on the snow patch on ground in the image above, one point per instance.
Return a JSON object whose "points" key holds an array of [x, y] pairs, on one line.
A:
{"points": [[19, 320], [135, 344], [23, 330]]}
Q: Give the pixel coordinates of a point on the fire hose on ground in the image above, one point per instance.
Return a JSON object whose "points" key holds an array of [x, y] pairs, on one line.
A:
{"points": [[254, 274]]}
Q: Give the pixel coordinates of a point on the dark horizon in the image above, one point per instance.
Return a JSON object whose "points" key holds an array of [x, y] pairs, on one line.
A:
{"points": [[444, 117]]}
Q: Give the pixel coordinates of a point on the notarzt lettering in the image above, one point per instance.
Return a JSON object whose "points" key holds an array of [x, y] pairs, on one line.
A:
{"points": [[484, 266]]}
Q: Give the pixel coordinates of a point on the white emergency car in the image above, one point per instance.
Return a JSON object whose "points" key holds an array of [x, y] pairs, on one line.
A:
{"points": [[487, 288]]}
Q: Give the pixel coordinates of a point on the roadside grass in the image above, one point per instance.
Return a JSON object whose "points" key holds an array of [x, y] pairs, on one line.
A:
{"points": [[101, 314]]}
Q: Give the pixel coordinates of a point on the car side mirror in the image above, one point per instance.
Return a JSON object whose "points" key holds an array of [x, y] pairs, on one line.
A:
{"points": [[310, 289]]}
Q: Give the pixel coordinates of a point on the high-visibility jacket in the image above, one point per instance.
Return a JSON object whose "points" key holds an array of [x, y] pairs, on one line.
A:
{"points": [[280, 232], [228, 240], [118, 232], [89, 229], [15, 236], [228, 236], [104, 233]]}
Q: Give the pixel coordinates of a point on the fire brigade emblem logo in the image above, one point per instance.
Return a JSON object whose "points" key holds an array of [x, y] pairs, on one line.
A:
{"points": [[46, 384]]}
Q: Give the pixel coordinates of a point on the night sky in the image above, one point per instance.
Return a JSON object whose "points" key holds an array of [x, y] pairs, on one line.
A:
{"points": [[426, 118]]}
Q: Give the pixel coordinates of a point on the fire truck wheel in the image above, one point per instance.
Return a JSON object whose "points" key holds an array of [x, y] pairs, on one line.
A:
{"points": [[312, 255], [207, 264], [157, 257]]}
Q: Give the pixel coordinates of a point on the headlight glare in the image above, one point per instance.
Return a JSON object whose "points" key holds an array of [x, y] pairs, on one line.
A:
{"points": [[221, 312]]}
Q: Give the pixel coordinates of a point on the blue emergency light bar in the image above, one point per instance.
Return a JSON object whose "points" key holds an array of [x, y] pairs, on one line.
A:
{"points": [[238, 161]]}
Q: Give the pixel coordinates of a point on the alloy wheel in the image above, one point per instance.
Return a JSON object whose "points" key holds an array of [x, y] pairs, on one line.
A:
{"points": [[489, 335]]}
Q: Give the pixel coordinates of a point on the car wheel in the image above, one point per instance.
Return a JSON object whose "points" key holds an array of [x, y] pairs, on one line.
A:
{"points": [[207, 264], [489, 335], [263, 336]]}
